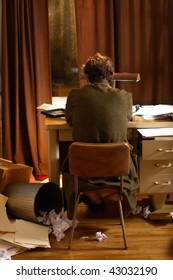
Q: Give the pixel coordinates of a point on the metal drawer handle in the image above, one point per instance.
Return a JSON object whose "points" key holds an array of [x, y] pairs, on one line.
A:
{"points": [[167, 183], [165, 150], [163, 165]]}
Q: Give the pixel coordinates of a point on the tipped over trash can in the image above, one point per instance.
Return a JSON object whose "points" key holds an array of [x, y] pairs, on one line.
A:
{"points": [[25, 200]]}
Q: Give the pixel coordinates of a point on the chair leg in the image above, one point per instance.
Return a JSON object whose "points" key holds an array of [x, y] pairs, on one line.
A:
{"points": [[122, 222], [74, 220]]}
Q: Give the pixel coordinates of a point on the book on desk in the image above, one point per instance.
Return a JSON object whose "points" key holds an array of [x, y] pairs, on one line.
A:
{"points": [[55, 113], [54, 110]]}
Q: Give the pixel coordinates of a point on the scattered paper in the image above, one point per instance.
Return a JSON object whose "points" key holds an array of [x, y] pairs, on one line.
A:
{"points": [[58, 102], [101, 236], [146, 212], [70, 222], [10, 239], [58, 222], [10, 250], [19, 235], [154, 132], [31, 233], [84, 237], [5, 224], [59, 225], [137, 210], [153, 110], [4, 255]]}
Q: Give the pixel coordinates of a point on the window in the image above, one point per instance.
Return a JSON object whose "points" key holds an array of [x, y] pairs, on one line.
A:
{"points": [[63, 44]]}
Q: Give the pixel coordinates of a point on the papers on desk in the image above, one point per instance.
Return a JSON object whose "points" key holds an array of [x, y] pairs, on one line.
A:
{"points": [[156, 132], [153, 111], [58, 102], [150, 111]]}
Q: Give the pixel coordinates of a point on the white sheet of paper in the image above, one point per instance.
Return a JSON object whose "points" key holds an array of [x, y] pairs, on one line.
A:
{"points": [[154, 110], [154, 132], [58, 102], [31, 233], [11, 248], [10, 237]]}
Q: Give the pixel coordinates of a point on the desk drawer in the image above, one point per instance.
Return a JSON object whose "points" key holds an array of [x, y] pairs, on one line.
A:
{"points": [[154, 183], [156, 176], [157, 149], [155, 167]]}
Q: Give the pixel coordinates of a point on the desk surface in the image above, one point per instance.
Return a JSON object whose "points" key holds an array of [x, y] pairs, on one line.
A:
{"points": [[58, 124]]}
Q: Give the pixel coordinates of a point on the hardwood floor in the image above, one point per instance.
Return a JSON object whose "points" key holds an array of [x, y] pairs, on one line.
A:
{"points": [[147, 240]]}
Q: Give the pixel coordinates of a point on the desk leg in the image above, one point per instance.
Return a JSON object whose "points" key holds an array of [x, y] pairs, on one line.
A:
{"points": [[53, 156], [158, 200]]}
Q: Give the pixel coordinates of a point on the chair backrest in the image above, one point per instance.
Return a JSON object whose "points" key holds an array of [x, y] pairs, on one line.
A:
{"points": [[99, 159]]}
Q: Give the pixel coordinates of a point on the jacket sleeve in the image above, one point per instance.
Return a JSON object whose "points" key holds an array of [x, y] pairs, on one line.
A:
{"points": [[70, 107], [129, 115]]}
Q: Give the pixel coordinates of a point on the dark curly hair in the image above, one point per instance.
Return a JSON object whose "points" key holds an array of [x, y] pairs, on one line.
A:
{"points": [[98, 67]]}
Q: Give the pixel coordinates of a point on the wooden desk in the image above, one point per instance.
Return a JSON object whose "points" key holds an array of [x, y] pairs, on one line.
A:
{"points": [[58, 130]]}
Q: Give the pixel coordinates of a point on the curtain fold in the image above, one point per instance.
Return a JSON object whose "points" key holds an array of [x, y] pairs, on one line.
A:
{"points": [[144, 41], [95, 29], [138, 36], [26, 81]]}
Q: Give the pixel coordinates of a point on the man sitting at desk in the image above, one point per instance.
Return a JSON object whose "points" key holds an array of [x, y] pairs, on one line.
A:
{"points": [[99, 113]]}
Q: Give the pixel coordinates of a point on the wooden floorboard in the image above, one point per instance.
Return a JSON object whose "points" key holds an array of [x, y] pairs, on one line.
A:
{"points": [[147, 240]]}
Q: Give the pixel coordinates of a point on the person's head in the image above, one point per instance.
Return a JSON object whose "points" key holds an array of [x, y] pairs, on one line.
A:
{"points": [[98, 67]]}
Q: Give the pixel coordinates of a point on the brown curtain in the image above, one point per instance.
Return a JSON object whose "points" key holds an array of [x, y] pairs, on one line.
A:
{"points": [[95, 29], [26, 81], [138, 35]]}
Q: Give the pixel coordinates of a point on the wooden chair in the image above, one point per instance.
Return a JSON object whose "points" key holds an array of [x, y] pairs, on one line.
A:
{"points": [[99, 160]]}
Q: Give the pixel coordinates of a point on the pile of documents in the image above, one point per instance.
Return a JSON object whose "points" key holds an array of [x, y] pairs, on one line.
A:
{"points": [[160, 111], [58, 102], [18, 235]]}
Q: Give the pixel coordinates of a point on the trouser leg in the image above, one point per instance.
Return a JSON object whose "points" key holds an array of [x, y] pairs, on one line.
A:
{"points": [[69, 195]]}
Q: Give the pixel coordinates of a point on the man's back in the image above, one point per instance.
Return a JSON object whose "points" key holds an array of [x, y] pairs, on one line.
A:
{"points": [[99, 113]]}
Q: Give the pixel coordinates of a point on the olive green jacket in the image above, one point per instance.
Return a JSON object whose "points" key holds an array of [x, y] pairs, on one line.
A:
{"points": [[99, 113]]}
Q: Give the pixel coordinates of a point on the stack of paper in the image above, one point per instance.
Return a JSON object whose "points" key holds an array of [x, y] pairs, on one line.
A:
{"points": [[156, 132], [160, 111], [20, 235], [58, 102]]}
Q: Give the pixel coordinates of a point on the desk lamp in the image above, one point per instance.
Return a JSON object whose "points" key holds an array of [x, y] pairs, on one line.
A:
{"points": [[125, 77], [121, 77]]}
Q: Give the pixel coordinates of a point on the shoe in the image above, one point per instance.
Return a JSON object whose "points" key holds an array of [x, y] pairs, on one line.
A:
{"points": [[97, 207], [93, 206], [84, 198]]}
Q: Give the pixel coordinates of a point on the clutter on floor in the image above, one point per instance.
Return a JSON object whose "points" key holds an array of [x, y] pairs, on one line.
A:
{"points": [[31, 210], [18, 235]]}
